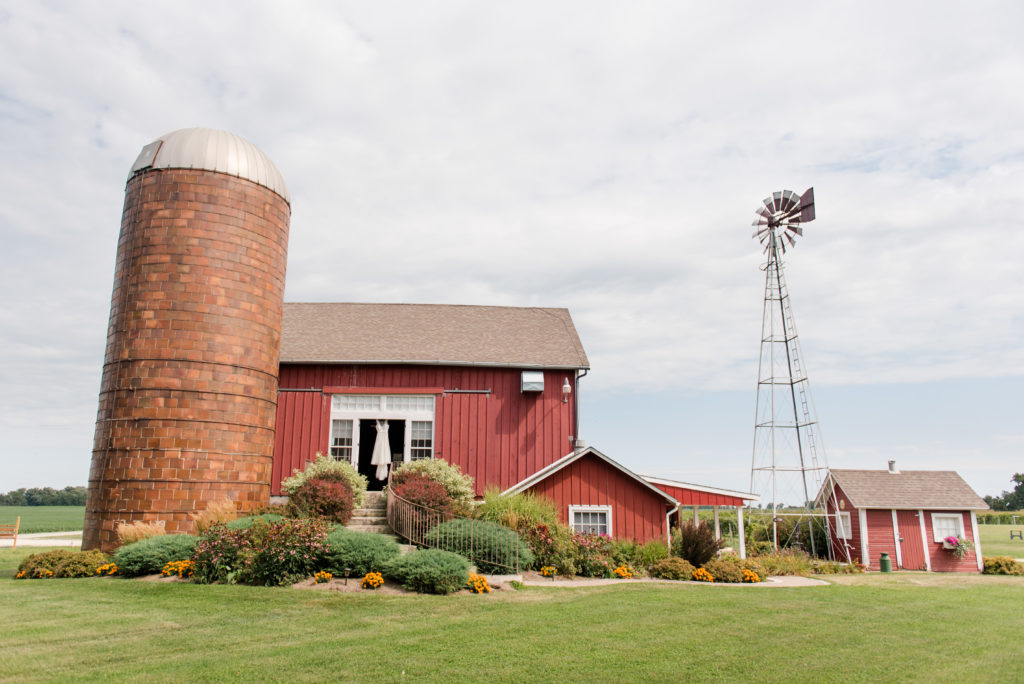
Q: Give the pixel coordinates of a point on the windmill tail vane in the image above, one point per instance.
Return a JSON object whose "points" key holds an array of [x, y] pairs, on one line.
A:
{"points": [[781, 217]]}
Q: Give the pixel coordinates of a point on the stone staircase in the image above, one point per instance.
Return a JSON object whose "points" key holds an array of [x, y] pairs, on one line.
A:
{"points": [[372, 517]]}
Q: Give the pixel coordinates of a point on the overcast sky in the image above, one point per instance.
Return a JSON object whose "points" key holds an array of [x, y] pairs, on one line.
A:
{"points": [[602, 157]]}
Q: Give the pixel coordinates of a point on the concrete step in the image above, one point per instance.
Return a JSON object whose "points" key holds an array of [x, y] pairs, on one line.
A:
{"points": [[368, 520], [377, 529]]}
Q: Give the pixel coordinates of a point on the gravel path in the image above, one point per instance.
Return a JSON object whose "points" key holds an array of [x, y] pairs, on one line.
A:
{"points": [[45, 539]]}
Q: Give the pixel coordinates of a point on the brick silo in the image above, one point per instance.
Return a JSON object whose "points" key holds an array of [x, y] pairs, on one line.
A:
{"points": [[189, 391]]}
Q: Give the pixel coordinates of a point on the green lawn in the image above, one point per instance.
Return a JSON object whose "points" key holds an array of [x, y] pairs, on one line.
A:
{"points": [[905, 626], [995, 540], [44, 518]]}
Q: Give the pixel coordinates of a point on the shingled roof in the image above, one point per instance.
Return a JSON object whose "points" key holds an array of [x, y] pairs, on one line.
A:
{"points": [[434, 334], [933, 489]]}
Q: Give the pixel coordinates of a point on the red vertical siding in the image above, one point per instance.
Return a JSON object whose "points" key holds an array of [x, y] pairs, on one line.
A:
{"points": [[942, 560], [853, 543], [498, 438], [637, 512], [693, 497]]}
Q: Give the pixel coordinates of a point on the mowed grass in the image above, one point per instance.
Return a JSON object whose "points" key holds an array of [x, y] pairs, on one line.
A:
{"points": [[44, 518], [995, 540], [873, 629]]}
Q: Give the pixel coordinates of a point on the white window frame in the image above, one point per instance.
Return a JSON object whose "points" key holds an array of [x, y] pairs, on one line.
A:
{"points": [[959, 518], [382, 411], [844, 526], [352, 438], [607, 510]]}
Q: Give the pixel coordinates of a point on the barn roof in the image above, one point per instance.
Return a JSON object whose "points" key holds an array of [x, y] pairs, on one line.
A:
{"points": [[430, 334], [934, 489], [574, 456]]}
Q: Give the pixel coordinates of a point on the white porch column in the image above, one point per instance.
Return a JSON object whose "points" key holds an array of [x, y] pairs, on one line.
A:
{"points": [[718, 527], [977, 541], [696, 518], [865, 552], [739, 526]]}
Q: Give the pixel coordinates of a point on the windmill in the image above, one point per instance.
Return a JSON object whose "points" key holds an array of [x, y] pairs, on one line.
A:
{"points": [[788, 464]]}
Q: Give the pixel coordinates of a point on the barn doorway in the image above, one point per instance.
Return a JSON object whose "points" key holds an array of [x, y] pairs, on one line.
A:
{"points": [[367, 438]]}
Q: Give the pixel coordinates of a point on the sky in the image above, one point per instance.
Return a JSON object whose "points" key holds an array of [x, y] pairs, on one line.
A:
{"points": [[604, 157]]}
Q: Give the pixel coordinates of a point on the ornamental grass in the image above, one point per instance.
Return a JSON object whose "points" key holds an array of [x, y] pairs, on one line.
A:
{"points": [[129, 533]]}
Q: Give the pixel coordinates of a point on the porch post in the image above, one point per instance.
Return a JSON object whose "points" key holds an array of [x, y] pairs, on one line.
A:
{"points": [[718, 527], [696, 518], [739, 526]]}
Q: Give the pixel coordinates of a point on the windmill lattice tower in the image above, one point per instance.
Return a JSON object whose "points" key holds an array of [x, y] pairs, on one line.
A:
{"points": [[789, 463]]}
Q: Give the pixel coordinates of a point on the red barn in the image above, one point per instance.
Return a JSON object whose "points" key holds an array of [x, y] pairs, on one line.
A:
{"points": [[905, 514], [494, 390]]}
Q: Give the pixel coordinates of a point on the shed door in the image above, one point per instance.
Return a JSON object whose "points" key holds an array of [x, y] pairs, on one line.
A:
{"points": [[910, 542]]}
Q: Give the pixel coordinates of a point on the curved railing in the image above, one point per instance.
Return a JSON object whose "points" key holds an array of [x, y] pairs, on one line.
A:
{"points": [[480, 543]]}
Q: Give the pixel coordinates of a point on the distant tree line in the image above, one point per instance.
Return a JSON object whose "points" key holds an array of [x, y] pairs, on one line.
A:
{"points": [[1009, 501], [44, 496]]}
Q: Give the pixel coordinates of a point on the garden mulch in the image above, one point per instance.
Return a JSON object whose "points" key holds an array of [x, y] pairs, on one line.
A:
{"points": [[535, 579]]}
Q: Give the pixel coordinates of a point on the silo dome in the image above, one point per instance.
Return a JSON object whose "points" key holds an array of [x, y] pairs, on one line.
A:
{"points": [[211, 150]]}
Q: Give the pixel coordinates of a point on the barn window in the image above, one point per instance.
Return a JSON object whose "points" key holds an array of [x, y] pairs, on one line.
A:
{"points": [[947, 525], [422, 444], [341, 440], [843, 528], [591, 519]]}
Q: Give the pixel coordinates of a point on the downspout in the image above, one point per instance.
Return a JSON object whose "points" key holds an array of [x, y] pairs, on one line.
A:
{"points": [[577, 442]]}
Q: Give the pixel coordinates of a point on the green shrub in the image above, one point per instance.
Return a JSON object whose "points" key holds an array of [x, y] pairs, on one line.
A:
{"points": [[458, 485], [64, 563], [326, 468], [247, 522], [628, 552], [672, 569], [624, 552], [494, 549], [726, 568], [149, 556], [360, 552], [264, 554], [430, 571], [317, 498], [695, 543], [420, 490], [1002, 565], [593, 555], [220, 551], [516, 511], [827, 567]]}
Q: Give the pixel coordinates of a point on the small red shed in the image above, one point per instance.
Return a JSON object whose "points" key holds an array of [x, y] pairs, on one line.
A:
{"points": [[595, 494], [905, 514]]}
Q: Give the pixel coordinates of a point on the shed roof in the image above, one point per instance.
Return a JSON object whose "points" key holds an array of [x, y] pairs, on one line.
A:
{"points": [[934, 489], [430, 334]]}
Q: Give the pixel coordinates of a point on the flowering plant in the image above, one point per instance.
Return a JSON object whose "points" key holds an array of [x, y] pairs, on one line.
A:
{"points": [[21, 575], [549, 571], [957, 546], [702, 575], [322, 577], [109, 569], [182, 568], [624, 572], [478, 584], [372, 580], [750, 577]]}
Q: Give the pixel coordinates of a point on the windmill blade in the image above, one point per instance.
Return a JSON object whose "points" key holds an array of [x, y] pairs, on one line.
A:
{"points": [[777, 200], [792, 242], [807, 205], [767, 202], [796, 229]]}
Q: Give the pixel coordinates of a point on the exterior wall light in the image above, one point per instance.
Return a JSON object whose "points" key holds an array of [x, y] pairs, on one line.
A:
{"points": [[566, 391]]}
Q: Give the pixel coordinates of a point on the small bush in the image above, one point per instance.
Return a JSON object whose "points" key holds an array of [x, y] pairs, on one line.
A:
{"points": [[624, 551], [358, 552], [129, 533], [784, 562], [220, 551], [1002, 565], [421, 490], [593, 555], [223, 511], [695, 543], [326, 468], [247, 522], [63, 563], [651, 552], [458, 485], [672, 569], [726, 568], [827, 567], [552, 545], [494, 549], [430, 571], [331, 499], [265, 554], [149, 556]]}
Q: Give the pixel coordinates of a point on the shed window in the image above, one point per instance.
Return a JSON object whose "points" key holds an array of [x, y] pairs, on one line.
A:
{"points": [[341, 440], [843, 528], [591, 519], [947, 525]]}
